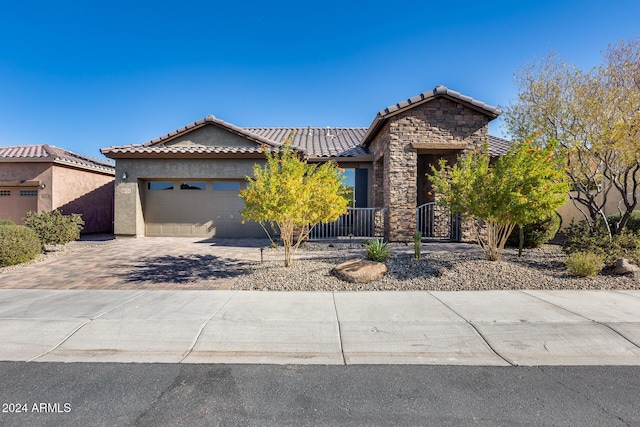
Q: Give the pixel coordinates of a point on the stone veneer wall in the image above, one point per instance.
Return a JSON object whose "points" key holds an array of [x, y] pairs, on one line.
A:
{"points": [[378, 196], [402, 166], [379, 148], [438, 121]]}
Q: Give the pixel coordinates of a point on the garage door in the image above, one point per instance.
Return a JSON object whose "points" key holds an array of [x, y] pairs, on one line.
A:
{"points": [[17, 201], [196, 209]]}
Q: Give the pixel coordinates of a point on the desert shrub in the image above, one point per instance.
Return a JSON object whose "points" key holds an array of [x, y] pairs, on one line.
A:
{"points": [[377, 250], [54, 228], [632, 225], [582, 238], [538, 233], [18, 244], [6, 222], [584, 264]]}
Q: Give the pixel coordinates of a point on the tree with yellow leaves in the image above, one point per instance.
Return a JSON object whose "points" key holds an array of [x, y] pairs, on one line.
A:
{"points": [[293, 196], [524, 186]]}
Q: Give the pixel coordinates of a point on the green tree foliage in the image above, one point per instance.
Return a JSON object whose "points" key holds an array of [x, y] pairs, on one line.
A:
{"points": [[536, 233], [293, 196], [524, 186], [595, 115]]}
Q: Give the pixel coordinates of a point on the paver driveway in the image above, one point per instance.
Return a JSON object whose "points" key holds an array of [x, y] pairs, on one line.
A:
{"points": [[142, 263]]}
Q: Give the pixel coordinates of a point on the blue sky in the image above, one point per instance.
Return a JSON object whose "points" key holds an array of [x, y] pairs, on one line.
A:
{"points": [[86, 75]]}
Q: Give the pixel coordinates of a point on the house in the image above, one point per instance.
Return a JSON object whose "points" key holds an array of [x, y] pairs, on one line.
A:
{"points": [[186, 183], [42, 178]]}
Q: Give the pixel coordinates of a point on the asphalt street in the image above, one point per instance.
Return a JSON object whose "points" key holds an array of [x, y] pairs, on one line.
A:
{"points": [[106, 394]]}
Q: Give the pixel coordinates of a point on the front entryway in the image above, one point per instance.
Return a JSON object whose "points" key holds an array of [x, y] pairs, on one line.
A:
{"points": [[437, 222]]}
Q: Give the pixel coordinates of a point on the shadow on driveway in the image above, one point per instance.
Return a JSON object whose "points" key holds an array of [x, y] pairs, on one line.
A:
{"points": [[243, 242], [182, 269]]}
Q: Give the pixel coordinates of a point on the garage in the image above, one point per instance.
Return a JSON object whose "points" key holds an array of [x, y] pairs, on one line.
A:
{"points": [[15, 202], [195, 208]]}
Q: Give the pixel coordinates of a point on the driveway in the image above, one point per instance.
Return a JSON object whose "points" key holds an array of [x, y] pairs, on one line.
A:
{"points": [[141, 263]]}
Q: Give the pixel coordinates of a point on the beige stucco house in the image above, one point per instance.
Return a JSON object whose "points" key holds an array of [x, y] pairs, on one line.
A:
{"points": [[42, 178], [186, 183]]}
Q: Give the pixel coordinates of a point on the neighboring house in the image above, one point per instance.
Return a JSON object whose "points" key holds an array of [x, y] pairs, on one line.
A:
{"points": [[42, 178], [186, 183]]}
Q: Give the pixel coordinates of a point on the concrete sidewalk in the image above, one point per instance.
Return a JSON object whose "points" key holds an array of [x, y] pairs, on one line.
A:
{"points": [[498, 328]]}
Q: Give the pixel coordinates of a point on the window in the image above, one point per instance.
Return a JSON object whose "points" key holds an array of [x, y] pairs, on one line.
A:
{"points": [[193, 185], [349, 179], [5, 193], [356, 182], [29, 193], [160, 185], [226, 186]]}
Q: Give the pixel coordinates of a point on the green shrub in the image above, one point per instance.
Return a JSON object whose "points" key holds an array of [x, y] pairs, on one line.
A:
{"points": [[6, 222], [18, 244], [377, 250], [584, 264], [582, 238], [53, 228], [538, 233], [632, 225]]}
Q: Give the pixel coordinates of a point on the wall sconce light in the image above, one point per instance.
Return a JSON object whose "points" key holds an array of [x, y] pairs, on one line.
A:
{"points": [[124, 176], [43, 186]]}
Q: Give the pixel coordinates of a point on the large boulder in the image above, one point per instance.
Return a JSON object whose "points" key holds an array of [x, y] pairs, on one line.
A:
{"points": [[623, 266], [359, 271]]}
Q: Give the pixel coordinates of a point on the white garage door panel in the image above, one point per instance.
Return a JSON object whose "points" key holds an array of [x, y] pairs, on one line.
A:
{"points": [[196, 213]]}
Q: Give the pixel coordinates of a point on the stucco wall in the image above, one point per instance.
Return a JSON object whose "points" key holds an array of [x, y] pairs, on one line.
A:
{"points": [[129, 216], [211, 135], [40, 172], [569, 211], [68, 189], [87, 193]]}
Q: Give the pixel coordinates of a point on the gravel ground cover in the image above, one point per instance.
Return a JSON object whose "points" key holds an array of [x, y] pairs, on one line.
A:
{"points": [[541, 268]]}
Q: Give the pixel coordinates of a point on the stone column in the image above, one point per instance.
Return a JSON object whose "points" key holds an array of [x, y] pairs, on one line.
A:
{"points": [[378, 196], [401, 168]]}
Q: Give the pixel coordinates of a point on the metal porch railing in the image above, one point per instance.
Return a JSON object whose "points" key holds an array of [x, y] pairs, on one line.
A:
{"points": [[357, 223]]}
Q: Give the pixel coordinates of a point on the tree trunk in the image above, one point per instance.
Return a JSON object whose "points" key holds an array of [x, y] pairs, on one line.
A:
{"points": [[520, 240]]}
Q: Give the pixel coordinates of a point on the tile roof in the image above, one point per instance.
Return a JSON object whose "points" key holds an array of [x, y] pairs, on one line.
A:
{"points": [[440, 91], [172, 149], [313, 141], [421, 99], [49, 153], [214, 120], [319, 142], [498, 146], [323, 142]]}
